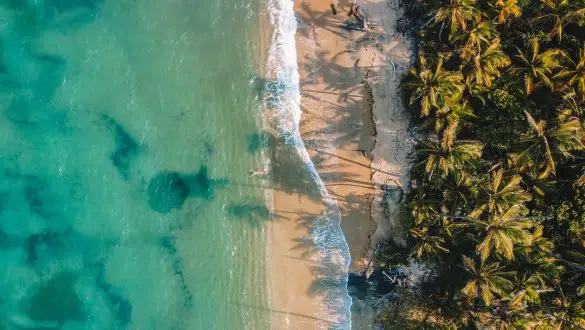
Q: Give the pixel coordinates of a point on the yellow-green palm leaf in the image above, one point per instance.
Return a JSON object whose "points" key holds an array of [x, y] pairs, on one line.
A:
{"points": [[488, 281], [432, 87], [503, 231], [535, 68]]}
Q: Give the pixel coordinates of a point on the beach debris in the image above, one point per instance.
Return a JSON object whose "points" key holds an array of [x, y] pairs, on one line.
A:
{"points": [[355, 11], [370, 261], [393, 70]]}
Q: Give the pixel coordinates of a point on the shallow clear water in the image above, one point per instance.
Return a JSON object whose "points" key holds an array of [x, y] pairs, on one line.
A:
{"points": [[127, 131]]}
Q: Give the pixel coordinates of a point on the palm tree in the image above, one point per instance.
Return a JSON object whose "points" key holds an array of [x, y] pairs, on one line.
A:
{"points": [[446, 155], [426, 243], [457, 14], [482, 34], [498, 194], [506, 319], [507, 9], [503, 230], [486, 64], [459, 190], [561, 13], [456, 110], [432, 87], [537, 279], [536, 68], [471, 90], [572, 108], [423, 206], [575, 75], [566, 313], [527, 294], [487, 281], [545, 144]]}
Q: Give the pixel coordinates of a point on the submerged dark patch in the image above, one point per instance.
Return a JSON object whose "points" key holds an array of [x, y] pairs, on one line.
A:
{"points": [[34, 242], [200, 184], [169, 244], [8, 241], [127, 148], [119, 305], [34, 194], [167, 191], [56, 301], [255, 214], [208, 148], [67, 5], [258, 141], [248, 210]]}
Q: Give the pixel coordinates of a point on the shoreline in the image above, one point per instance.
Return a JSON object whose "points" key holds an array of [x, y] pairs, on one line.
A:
{"points": [[344, 79]]}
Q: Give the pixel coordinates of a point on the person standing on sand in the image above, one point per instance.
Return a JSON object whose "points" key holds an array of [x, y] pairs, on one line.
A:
{"points": [[354, 11]]}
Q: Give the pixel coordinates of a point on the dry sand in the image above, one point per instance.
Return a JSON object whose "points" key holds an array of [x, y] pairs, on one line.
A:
{"points": [[355, 130]]}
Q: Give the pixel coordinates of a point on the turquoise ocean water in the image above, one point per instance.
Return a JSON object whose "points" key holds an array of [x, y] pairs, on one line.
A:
{"points": [[127, 129]]}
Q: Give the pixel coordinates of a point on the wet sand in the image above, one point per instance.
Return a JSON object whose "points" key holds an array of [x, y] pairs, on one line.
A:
{"points": [[349, 103]]}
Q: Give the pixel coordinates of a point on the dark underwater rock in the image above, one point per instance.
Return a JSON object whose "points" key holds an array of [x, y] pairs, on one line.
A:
{"points": [[56, 301], [167, 191]]}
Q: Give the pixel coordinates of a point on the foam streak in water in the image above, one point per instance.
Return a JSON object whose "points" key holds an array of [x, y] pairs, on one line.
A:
{"points": [[283, 96]]}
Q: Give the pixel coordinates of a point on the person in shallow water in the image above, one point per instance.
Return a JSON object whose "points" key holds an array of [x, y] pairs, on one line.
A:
{"points": [[258, 172]]}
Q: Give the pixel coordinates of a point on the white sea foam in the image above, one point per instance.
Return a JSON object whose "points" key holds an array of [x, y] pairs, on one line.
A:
{"points": [[283, 97]]}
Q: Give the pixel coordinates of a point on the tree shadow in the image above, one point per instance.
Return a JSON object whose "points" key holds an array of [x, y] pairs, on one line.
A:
{"points": [[325, 248], [309, 18], [343, 95], [288, 170], [253, 212], [258, 141]]}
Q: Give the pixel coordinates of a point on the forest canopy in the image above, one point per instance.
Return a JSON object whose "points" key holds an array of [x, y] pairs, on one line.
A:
{"points": [[496, 210]]}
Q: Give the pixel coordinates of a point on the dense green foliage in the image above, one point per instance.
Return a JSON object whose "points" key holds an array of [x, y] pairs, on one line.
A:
{"points": [[497, 206]]}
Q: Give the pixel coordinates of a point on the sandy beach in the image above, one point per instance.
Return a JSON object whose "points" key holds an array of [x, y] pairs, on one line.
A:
{"points": [[355, 130]]}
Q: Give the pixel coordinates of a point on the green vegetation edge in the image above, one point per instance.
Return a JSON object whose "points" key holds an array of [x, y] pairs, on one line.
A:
{"points": [[496, 209]]}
